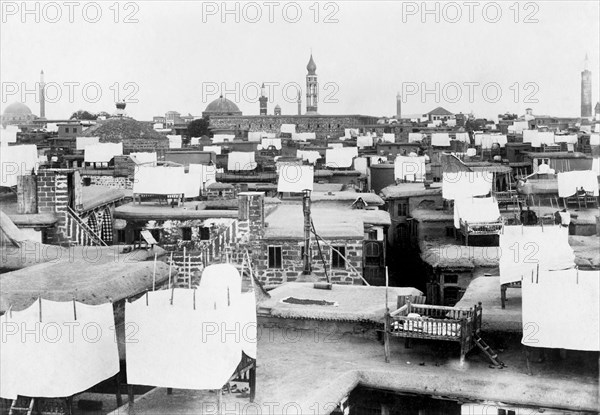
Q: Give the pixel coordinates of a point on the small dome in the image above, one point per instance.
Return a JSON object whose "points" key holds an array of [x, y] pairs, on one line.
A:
{"points": [[17, 108], [277, 106], [222, 106], [311, 67]]}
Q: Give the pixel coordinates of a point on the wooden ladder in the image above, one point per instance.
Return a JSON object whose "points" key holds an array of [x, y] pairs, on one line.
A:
{"points": [[488, 351], [15, 410]]}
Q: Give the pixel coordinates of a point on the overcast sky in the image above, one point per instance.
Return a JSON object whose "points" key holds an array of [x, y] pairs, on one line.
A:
{"points": [[177, 55]]}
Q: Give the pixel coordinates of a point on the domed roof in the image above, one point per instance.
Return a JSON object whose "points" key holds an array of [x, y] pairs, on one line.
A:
{"points": [[311, 67], [222, 106], [17, 108]]}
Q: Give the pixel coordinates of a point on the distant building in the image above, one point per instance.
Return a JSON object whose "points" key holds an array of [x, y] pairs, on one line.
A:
{"points": [[17, 113], [440, 114]]}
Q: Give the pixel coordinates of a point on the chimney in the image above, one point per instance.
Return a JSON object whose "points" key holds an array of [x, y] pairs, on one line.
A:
{"points": [[251, 214], [307, 227]]}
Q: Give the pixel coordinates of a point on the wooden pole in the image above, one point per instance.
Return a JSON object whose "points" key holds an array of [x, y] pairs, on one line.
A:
{"points": [[190, 271], [170, 268], [154, 273], [386, 328]]}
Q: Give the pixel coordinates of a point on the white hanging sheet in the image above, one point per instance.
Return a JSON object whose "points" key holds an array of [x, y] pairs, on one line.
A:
{"points": [[570, 182], [143, 158], [462, 137], [531, 136], [569, 139], [179, 346], [275, 142], [595, 139], [102, 152], [17, 161], [350, 132], [295, 179], [67, 353], [214, 149], [476, 210], [207, 173], [174, 141], [159, 180], [194, 141], [466, 184], [241, 161], [561, 310], [340, 157], [309, 155], [388, 138], [222, 138], [408, 168], [361, 165], [363, 141], [440, 140], [524, 249], [546, 137], [249, 324], [82, 142], [415, 137]]}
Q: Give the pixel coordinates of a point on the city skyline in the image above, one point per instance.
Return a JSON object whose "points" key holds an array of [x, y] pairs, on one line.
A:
{"points": [[355, 77]]}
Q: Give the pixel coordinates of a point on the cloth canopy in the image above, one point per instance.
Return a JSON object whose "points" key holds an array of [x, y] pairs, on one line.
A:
{"points": [[259, 135], [82, 142], [194, 141], [570, 182], [309, 155], [524, 249], [595, 139], [159, 180], [531, 136], [596, 165], [304, 136], [546, 137], [288, 128], [142, 158], [241, 161], [335, 145], [70, 350], [174, 141], [275, 142], [465, 184], [214, 149], [415, 137], [295, 179], [440, 140], [340, 157], [519, 126], [207, 173], [102, 152], [476, 210], [409, 168], [561, 310], [17, 161]]}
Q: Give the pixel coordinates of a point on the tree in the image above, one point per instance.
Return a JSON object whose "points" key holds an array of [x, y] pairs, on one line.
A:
{"points": [[83, 115], [198, 128]]}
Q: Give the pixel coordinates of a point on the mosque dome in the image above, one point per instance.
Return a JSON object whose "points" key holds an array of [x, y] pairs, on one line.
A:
{"points": [[17, 108], [221, 106], [311, 67], [16, 113]]}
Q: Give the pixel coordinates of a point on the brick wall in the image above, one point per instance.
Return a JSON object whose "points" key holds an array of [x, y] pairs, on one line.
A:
{"points": [[292, 263], [53, 197], [110, 181]]}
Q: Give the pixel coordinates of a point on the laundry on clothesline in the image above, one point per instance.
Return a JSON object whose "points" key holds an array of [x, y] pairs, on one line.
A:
{"points": [[340, 157], [440, 140], [102, 152], [569, 183], [174, 141], [241, 161], [411, 169], [159, 180], [465, 184], [21, 160], [476, 210], [295, 178], [70, 347], [82, 142], [142, 158]]}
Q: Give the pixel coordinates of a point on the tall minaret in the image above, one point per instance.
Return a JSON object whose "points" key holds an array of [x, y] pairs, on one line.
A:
{"points": [[299, 100], [42, 96], [312, 87], [398, 106], [263, 100], [586, 91]]}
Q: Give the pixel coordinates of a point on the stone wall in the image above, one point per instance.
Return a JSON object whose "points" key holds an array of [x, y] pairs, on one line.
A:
{"points": [[293, 265], [321, 125]]}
